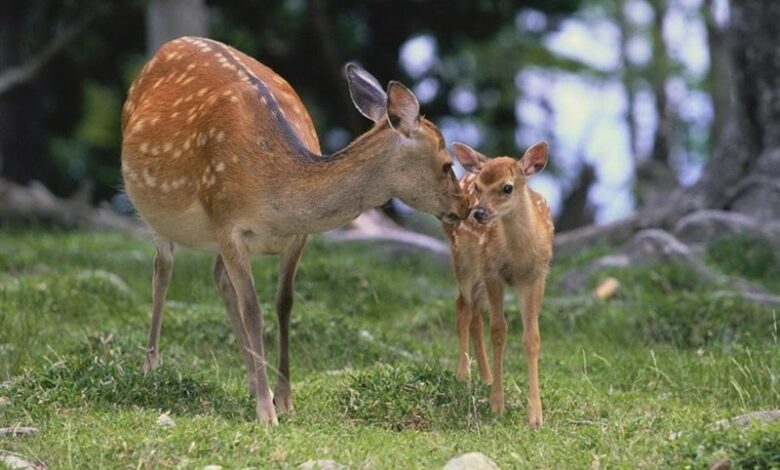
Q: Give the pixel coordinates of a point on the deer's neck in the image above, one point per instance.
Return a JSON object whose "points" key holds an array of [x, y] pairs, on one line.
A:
{"points": [[518, 225], [327, 192]]}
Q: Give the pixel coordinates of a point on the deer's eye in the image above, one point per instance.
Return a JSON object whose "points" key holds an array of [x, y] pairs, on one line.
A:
{"points": [[507, 189]]}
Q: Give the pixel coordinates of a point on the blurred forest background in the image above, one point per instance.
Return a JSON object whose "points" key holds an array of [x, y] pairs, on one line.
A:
{"points": [[647, 104]]}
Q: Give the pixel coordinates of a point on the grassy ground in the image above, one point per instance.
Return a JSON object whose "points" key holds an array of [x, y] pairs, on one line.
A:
{"points": [[635, 382]]}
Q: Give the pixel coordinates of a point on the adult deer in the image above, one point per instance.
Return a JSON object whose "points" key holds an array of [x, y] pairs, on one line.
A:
{"points": [[219, 153], [508, 241]]}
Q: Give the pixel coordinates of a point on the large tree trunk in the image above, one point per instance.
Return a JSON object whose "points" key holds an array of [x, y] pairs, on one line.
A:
{"points": [[169, 19], [744, 173]]}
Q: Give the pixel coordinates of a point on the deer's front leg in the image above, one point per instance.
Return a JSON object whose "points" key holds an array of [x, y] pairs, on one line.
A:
{"points": [[284, 302], [237, 264], [163, 268], [477, 308], [498, 330], [463, 312], [532, 300]]}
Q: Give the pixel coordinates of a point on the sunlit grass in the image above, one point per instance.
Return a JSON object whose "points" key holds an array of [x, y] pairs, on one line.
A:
{"points": [[634, 382]]}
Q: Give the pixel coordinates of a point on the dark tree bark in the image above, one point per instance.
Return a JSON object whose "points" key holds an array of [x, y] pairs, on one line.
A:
{"points": [[744, 173]]}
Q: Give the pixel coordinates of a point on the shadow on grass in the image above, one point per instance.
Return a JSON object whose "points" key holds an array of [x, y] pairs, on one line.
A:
{"points": [[414, 397], [106, 376]]}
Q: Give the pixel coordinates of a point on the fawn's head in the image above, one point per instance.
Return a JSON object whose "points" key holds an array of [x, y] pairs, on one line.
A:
{"points": [[501, 182], [421, 168]]}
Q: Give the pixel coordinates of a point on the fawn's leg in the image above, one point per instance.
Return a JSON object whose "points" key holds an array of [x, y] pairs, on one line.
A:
{"points": [[163, 267], [288, 263], [235, 256], [498, 329], [228, 294], [532, 295], [464, 313], [479, 345]]}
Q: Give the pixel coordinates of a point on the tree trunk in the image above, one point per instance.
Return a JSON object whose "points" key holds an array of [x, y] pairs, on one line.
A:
{"points": [[169, 19], [22, 127], [744, 173]]}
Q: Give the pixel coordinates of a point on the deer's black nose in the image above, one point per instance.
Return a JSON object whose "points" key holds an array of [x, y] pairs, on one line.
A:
{"points": [[480, 214]]}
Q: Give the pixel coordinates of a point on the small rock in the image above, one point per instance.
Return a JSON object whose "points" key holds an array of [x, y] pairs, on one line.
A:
{"points": [[165, 421], [722, 464], [766, 416], [471, 461], [212, 467], [606, 288], [12, 460], [322, 465]]}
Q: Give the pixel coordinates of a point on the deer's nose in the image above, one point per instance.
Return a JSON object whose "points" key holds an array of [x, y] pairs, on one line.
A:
{"points": [[480, 214]]}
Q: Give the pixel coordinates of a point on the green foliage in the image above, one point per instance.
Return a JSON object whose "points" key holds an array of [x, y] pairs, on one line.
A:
{"points": [[748, 256], [635, 382], [418, 397], [755, 446]]}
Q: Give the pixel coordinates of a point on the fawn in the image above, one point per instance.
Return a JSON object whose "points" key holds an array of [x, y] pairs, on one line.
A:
{"points": [[219, 153], [508, 240]]}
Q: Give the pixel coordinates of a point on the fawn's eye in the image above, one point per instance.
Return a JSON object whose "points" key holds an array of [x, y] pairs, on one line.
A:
{"points": [[447, 167], [507, 189]]}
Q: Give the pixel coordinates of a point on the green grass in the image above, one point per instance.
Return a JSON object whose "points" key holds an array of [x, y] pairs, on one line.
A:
{"points": [[635, 382]]}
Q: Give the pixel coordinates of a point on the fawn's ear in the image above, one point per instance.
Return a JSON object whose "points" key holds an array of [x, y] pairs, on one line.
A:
{"points": [[403, 109], [469, 159], [535, 158], [366, 92]]}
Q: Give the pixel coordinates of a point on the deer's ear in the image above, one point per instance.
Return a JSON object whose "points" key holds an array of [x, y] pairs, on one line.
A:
{"points": [[366, 92], [535, 158], [469, 159], [403, 109]]}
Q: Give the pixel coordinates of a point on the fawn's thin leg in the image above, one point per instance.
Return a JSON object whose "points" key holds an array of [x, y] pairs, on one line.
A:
{"points": [[228, 294], [288, 264], [532, 295], [235, 256], [163, 267], [498, 329], [479, 345], [463, 319]]}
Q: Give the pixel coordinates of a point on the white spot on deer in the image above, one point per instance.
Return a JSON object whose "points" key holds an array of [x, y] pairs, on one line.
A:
{"points": [[139, 126], [188, 80], [144, 147], [202, 91], [297, 110], [235, 158], [177, 153], [192, 118], [178, 101], [191, 66], [181, 77], [156, 150], [187, 144], [154, 120], [174, 115], [172, 55], [234, 98], [167, 147], [219, 167], [227, 93], [206, 63], [264, 100], [221, 136], [211, 99], [188, 98], [202, 139], [148, 178], [165, 187]]}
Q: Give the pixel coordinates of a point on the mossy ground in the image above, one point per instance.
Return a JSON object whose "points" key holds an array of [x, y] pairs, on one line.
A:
{"points": [[634, 382]]}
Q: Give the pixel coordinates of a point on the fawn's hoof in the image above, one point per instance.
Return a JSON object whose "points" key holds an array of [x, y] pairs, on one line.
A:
{"points": [[464, 373], [497, 402], [535, 422]]}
